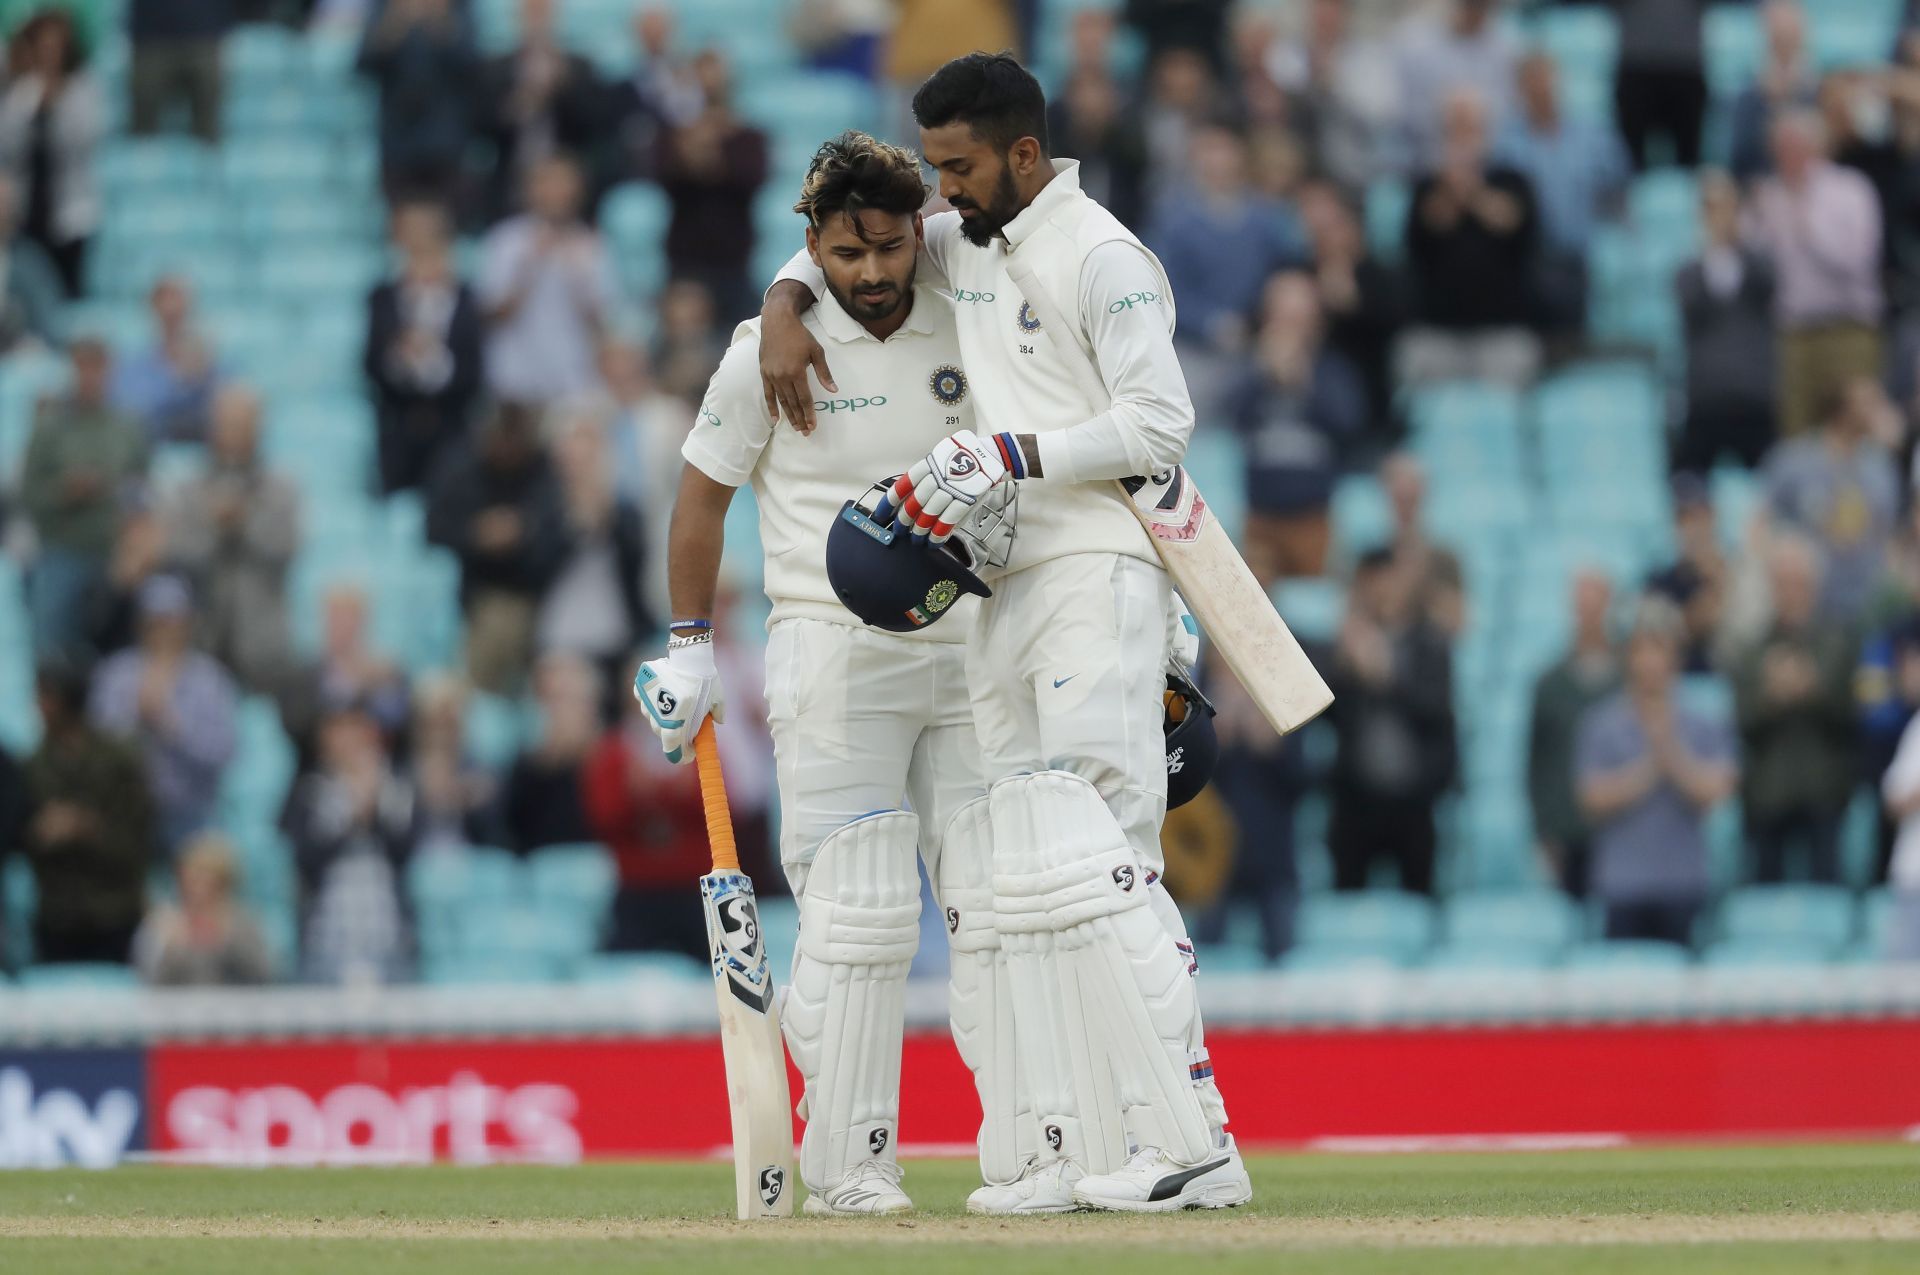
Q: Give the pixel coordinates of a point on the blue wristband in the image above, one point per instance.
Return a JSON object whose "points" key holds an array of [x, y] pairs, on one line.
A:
{"points": [[1010, 455]]}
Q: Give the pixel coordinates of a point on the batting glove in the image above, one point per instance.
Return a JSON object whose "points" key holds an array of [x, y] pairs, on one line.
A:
{"points": [[679, 692], [941, 491]]}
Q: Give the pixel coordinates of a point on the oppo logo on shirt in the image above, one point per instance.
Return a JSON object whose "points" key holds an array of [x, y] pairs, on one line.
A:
{"points": [[1132, 299], [708, 417], [964, 295], [849, 404]]}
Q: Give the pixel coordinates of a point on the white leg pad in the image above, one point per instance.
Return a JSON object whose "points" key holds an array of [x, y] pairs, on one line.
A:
{"points": [[846, 1002], [1103, 999], [979, 1000]]}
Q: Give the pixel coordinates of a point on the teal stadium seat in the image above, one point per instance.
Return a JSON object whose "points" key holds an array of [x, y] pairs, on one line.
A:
{"points": [[1311, 958], [494, 729], [1466, 428], [1218, 466], [559, 934], [78, 978], [1733, 46], [1545, 921], [1489, 958], [136, 166], [1388, 203], [1628, 954], [20, 895], [1853, 33], [491, 968], [1876, 924], [1230, 958], [1362, 518], [634, 217], [1311, 608], [582, 876], [1765, 954], [1389, 923], [780, 926], [1584, 42], [1816, 916]]}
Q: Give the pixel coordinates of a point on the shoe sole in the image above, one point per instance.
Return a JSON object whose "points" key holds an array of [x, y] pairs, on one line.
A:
{"points": [[827, 1210], [981, 1210], [1227, 1195]]}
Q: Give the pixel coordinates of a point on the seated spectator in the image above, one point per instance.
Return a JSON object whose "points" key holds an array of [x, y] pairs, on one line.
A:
{"points": [[1900, 791], [169, 386], [711, 167], [536, 101], [1648, 770], [176, 61], [647, 811], [1588, 673], [660, 93], [1698, 580], [423, 355], [82, 461], [1840, 488], [177, 704], [541, 803], [688, 340], [421, 56], [545, 288], [354, 823], [90, 838], [1441, 57], [1392, 716], [1659, 84], [52, 117], [31, 295], [1785, 83], [1297, 409], [1347, 90], [1472, 249], [1433, 570], [497, 506], [459, 798], [1821, 225], [1726, 306], [1362, 297], [596, 608], [233, 531], [1798, 734], [207, 939]]}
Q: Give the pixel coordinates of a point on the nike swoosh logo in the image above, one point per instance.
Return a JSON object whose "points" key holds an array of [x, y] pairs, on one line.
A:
{"points": [[1059, 682], [1171, 1184]]}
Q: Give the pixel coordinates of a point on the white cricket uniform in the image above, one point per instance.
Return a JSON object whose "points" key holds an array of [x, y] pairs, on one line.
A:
{"points": [[862, 719]]}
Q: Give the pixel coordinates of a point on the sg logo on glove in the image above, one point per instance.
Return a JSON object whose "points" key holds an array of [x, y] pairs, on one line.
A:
{"points": [[963, 465]]}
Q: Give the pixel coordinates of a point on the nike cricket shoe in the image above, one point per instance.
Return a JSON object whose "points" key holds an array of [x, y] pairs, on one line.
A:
{"points": [[1153, 1182], [872, 1187], [1040, 1188]]}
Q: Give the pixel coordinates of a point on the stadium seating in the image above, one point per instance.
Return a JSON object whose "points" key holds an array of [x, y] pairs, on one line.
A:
{"points": [[1384, 924], [1542, 921], [1816, 917], [1628, 954]]}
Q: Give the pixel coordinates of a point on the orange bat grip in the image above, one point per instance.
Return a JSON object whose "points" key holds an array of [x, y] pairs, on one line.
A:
{"points": [[713, 796]]}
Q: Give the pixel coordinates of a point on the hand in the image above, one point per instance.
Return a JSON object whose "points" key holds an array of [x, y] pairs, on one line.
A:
{"points": [[59, 822], [942, 489], [1787, 675], [679, 693], [497, 530], [82, 485], [156, 695], [787, 352]]}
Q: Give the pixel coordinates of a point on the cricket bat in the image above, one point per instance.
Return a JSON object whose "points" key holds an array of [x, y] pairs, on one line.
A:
{"points": [[756, 1059]]}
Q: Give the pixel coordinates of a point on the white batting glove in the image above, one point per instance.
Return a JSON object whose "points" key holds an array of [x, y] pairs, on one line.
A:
{"points": [[1183, 635], [679, 692], [941, 491]]}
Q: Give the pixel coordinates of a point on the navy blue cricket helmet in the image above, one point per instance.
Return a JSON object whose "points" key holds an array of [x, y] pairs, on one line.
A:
{"points": [[1192, 745], [891, 579]]}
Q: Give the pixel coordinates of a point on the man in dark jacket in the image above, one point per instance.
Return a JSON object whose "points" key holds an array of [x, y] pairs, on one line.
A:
{"points": [[711, 168], [1726, 303], [421, 55], [1587, 674], [541, 100]]}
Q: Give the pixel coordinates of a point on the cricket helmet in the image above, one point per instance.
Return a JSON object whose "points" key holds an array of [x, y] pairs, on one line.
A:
{"points": [[891, 579], [1192, 746]]}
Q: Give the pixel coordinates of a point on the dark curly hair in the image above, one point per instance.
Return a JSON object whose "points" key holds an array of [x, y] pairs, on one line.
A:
{"points": [[855, 172], [991, 93]]}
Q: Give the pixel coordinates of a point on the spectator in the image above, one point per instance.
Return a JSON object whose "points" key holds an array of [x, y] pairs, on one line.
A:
{"points": [[497, 507], [234, 531], [424, 353], [1726, 305], [711, 167], [545, 286], [659, 94], [169, 386], [1392, 715], [112, 607], [542, 803], [1472, 248], [1586, 675], [1182, 96], [1659, 87], [1868, 133], [1199, 26], [459, 798], [1798, 734], [51, 119], [1840, 488], [353, 823], [540, 102], [207, 939], [1347, 90], [89, 839], [421, 56], [1093, 121], [596, 608], [1649, 768], [647, 811], [1361, 297], [31, 294], [177, 705], [1433, 570], [1297, 408], [643, 440], [688, 340], [1785, 84], [13, 826], [1697, 582], [1900, 790], [176, 60], [1441, 58], [351, 669], [82, 459], [1821, 225]]}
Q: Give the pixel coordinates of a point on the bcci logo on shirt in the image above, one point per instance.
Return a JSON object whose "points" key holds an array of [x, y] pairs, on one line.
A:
{"points": [[948, 384], [1027, 319]]}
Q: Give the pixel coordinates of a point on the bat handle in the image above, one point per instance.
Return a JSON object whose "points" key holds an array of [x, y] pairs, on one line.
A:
{"points": [[713, 797]]}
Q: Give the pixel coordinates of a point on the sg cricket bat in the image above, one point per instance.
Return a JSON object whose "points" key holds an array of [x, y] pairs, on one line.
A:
{"points": [[756, 1059]]}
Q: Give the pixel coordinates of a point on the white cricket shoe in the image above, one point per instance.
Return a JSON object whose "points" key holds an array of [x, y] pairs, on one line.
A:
{"points": [[870, 1188], [1040, 1188], [1153, 1182]]}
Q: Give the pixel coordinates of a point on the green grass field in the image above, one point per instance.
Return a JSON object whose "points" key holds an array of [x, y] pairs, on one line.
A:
{"points": [[1751, 1210]]}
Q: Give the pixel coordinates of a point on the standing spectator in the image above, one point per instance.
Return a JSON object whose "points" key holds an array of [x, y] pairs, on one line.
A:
{"points": [[459, 797], [1392, 715], [1900, 791], [1798, 736], [112, 607], [207, 939], [1786, 84], [31, 295], [688, 341], [81, 460], [1586, 675], [1296, 409], [1472, 248], [1649, 769], [176, 59], [660, 93], [51, 118], [1726, 305], [169, 386], [1659, 87], [1840, 488], [1348, 88], [643, 441], [542, 803], [711, 167], [497, 507], [350, 669], [1433, 570], [1196, 25], [1821, 225], [177, 705], [596, 608], [1361, 296], [1182, 95], [234, 531], [420, 55], [542, 102], [1442, 57], [424, 354], [89, 839], [546, 287], [1697, 582], [1092, 121]]}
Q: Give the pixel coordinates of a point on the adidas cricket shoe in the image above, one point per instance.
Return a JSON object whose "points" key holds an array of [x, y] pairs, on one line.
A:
{"points": [[1153, 1182], [870, 1188], [1040, 1188]]}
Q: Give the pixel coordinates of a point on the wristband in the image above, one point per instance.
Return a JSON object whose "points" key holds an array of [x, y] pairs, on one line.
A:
{"points": [[1011, 456], [690, 624]]}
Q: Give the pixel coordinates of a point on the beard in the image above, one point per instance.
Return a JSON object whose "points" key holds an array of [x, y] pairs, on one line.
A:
{"points": [[877, 309], [989, 221]]}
